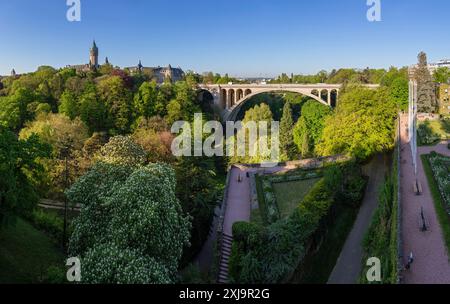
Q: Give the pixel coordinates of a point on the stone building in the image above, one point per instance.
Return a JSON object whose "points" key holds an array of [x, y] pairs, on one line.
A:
{"points": [[93, 61], [159, 74]]}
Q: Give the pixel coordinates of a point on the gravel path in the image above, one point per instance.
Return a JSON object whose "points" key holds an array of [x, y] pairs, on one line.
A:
{"points": [[348, 265], [431, 264]]}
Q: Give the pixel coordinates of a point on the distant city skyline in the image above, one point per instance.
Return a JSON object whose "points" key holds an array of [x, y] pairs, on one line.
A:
{"points": [[242, 38]]}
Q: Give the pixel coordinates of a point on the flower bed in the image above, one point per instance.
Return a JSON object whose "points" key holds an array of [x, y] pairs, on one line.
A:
{"points": [[440, 166]]}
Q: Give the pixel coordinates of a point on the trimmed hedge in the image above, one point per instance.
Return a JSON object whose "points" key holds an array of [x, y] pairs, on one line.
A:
{"points": [[272, 254], [49, 223], [381, 238], [267, 200]]}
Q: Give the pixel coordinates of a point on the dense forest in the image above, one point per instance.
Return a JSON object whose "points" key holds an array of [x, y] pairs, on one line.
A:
{"points": [[101, 140]]}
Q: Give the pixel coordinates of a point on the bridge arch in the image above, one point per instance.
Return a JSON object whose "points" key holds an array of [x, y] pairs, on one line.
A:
{"points": [[233, 111], [228, 98]]}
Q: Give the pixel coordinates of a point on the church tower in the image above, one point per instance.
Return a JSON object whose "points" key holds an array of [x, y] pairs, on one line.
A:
{"points": [[93, 58]]}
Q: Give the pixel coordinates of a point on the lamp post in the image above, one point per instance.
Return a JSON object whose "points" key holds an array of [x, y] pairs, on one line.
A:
{"points": [[65, 154], [412, 120]]}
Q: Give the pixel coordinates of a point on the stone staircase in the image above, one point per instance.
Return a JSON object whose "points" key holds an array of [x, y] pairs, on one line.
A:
{"points": [[225, 252]]}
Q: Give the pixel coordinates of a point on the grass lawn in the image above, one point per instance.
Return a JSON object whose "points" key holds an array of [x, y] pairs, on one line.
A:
{"points": [[440, 128], [317, 268], [290, 194], [444, 218], [26, 254]]}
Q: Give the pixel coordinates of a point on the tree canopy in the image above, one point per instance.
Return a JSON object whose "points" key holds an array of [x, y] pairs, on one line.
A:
{"points": [[309, 128], [19, 170], [131, 211], [363, 124]]}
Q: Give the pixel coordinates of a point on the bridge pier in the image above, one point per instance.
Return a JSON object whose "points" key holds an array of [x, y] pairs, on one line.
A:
{"points": [[229, 96]]}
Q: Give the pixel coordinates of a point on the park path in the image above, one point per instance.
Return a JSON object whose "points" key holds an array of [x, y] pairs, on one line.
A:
{"points": [[238, 209], [239, 197], [431, 264], [348, 266]]}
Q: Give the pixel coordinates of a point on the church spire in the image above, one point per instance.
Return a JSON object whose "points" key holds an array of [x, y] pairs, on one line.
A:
{"points": [[93, 58]]}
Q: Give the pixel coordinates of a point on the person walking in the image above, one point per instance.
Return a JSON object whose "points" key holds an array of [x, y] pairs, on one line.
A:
{"points": [[410, 261]]}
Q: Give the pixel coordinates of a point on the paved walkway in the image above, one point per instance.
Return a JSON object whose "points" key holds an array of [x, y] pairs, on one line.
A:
{"points": [[431, 264], [238, 209], [205, 258], [239, 198], [348, 266]]}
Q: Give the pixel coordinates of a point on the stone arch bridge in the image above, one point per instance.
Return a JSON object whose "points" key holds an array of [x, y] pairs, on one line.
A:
{"points": [[228, 99]]}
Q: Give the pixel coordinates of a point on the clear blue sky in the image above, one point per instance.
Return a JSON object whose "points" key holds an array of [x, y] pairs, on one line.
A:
{"points": [[241, 37]]}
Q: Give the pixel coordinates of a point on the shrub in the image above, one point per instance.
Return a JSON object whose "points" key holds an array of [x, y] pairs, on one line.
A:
{"points": [[248, 233], [271, 254], [192, 275], [380, 241], [426, 135], [49, 223], [55, 275]]}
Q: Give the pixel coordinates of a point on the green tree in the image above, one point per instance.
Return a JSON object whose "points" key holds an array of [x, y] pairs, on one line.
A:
{"points": [[67, 138], [69, 106], [20, 170], [145, 100], [174, 112], [311, 123], [286, 132], [93, 111], [117, 98], [442, 75], [198, 194], [363, 124], [399, 92], [131, 221], [14, 108], [258, 113], [426, 89]]}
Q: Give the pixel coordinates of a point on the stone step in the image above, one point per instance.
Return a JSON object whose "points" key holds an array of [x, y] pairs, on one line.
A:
{"points": [[226, 251]]}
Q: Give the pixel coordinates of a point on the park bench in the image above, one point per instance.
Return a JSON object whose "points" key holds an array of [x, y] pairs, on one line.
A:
{"points": [[418, 190], [424, 224], [419, 187]]}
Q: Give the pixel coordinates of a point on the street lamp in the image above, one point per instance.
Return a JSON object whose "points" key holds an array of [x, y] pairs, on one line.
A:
{"points": [[65, 154], [412, 119]]}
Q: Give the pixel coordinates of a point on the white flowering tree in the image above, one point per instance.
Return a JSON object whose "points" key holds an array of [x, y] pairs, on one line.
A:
{"points": [[131, 228], [124, 151]]}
